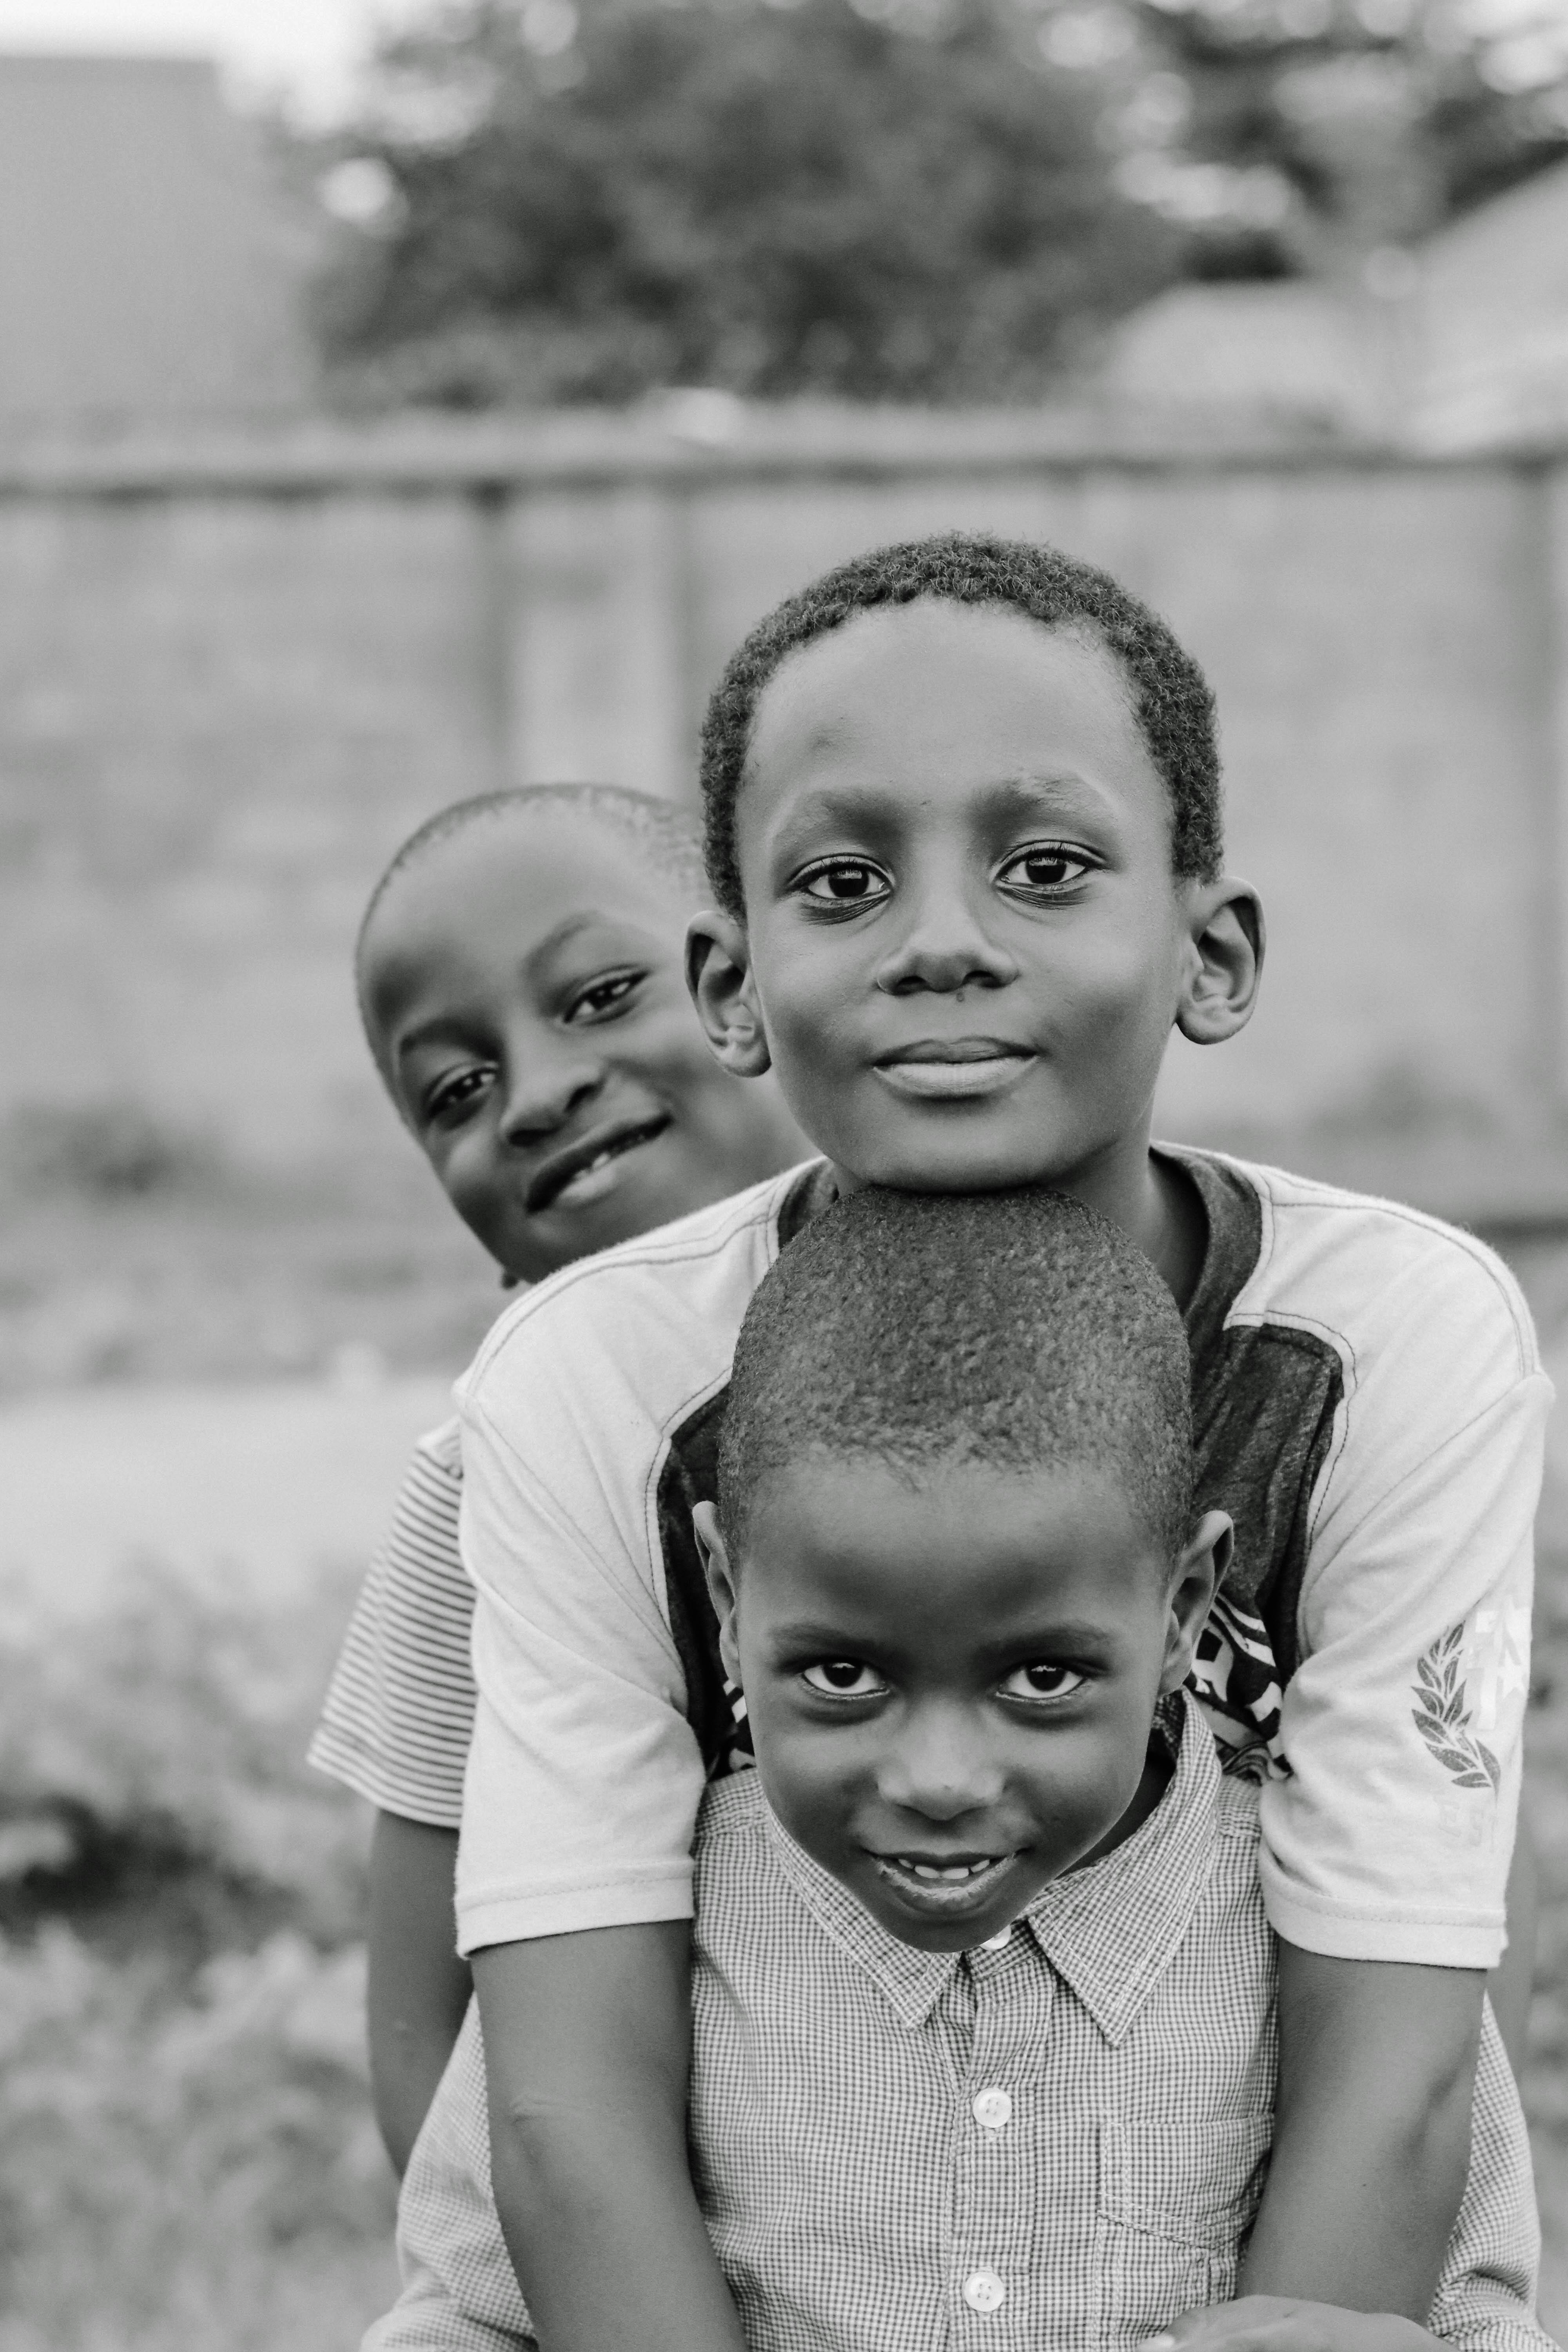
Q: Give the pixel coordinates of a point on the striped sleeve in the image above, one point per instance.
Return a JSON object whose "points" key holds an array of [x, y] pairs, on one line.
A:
{"points": [[399, 1711]]}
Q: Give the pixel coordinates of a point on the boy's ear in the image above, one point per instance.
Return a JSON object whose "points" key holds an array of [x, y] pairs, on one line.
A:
{"points": [[1198, 1571], [719, 975], [720, 1584], [1224, 961]]}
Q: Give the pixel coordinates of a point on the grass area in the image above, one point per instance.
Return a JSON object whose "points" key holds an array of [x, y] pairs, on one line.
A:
{"points": [[186, 2149]]}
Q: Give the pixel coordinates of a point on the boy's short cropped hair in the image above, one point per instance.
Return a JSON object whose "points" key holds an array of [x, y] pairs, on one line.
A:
{"points": [[1015, 1329], [1172, 702]]}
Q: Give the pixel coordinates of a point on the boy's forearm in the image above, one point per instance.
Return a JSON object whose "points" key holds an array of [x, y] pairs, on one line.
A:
{"points": [[1372, 2133], [587, 2045], [418, 1988], [1275, 2324]]}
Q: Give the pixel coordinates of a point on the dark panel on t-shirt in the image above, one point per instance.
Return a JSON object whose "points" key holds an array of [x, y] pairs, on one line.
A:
{"points": [[1264, 1400]]}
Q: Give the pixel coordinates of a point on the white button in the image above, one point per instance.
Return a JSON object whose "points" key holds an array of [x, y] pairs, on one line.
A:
{"points": [[997, 1943], [993, 2109], [984, 2290]]}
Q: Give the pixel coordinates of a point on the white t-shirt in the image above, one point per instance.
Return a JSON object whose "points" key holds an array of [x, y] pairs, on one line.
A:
{"points": [[1368, 1405]]}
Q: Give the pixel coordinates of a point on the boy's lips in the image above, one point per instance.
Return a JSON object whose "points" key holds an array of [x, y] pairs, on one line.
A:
{"points": [[938, 1070], [942, 1890], [587, 1170]]}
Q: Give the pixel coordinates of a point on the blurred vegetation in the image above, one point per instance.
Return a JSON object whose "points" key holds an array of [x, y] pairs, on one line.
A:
{"points": [[132, 1248], [568, 200], [186, 2150]]}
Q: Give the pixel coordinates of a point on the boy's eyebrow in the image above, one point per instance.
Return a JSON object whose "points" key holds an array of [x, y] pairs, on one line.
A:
{"points": [[440, 1024], [567, 931], [1006, 797], [1027, 1641]]}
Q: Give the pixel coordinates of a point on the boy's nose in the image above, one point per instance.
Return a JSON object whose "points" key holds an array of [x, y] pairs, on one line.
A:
{"points": [[939, 1769], [944, 949], [545, 1092]]}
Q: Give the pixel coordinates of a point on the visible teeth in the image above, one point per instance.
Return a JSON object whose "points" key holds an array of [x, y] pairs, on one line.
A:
{"points": [[951, 1870]]}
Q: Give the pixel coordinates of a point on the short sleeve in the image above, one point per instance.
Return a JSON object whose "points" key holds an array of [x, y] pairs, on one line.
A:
{"points": [[580, 1732], [399, 1712], [1388, 1832]]}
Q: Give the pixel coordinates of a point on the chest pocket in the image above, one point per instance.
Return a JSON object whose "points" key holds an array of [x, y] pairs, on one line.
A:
{"points": [[1176, 2199]]}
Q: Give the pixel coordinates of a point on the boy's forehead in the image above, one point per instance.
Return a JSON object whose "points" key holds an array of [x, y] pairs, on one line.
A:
{"points": [[976, 1540], [936, 676], [511, 881]]}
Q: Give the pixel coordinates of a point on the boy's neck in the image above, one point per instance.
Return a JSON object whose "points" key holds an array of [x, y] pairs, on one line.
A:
{"points": [[1154, 1201]]}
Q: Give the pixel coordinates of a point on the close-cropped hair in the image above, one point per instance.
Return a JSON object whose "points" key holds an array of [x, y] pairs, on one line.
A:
{"points": [[666, 833], [1170, 697], [1015, 1330]]}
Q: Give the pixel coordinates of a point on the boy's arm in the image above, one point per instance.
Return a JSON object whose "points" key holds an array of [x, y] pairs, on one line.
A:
{"points": [[1267, 2323], [418, 1988], [1371, 2138], [1387, 1838], [587, 2051]]}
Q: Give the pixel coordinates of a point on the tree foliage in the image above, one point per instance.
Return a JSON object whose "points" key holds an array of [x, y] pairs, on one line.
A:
{"points": [[772, 200], [1314, 134], [893, 199]]}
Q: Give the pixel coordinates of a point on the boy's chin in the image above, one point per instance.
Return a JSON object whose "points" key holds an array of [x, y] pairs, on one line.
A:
{"points": [[945, 1157]]}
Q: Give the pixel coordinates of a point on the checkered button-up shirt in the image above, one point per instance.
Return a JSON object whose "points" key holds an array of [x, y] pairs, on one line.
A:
{"points": [[1054, 2143]]}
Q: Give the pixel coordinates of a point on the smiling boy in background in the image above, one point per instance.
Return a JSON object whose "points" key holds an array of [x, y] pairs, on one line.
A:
{"points": [[963, 836], [982, 1990], [518, 971]]}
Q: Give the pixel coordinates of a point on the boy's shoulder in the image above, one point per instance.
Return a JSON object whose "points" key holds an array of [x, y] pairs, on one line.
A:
{"points": [[1371, 1277], [664, 1307]]}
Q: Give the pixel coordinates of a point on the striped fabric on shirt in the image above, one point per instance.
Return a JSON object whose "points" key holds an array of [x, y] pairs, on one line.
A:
{"points": [[399, 1712]]}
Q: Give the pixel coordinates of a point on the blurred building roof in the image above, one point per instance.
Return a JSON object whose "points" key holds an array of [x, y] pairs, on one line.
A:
{"points": [[1464, 346], [1493, 300], [150, 268], [1292, 350]]}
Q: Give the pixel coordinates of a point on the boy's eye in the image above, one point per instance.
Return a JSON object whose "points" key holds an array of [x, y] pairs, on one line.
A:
{"points": [[844, 1678], [1044, 869], [452, 1094], [1043, 1680], [844, 882], [603, 996]]}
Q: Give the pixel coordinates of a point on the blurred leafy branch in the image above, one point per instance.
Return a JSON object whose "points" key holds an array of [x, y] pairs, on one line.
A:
{"points": [[186, 2149], [888, 199]]}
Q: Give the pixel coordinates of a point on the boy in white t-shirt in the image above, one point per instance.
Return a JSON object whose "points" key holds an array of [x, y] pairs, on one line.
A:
{"points": [[964, 839], [983, 1995], [519, 973]]}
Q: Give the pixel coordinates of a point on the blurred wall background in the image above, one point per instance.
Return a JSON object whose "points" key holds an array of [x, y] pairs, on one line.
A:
{"points": [[357, 459], [229, 684]]}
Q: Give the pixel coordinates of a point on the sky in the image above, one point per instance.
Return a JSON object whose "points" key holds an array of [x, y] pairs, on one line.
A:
{"points": [[304, 50]]}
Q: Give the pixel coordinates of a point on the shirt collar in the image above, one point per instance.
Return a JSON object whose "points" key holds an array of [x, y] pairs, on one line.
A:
{"points": [[1109, 1930]]}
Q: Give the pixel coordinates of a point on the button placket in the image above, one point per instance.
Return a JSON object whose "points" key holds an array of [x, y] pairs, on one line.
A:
{"points": [[988, 2210]]}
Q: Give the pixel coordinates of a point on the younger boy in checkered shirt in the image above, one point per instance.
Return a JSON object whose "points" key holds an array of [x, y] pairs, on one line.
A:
{"points": [[984, 2037]]}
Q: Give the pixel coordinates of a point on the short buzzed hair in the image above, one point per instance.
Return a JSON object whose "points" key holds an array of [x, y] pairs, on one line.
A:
{"points": [[1013, 1330], [1171, 702], [667, 834]]}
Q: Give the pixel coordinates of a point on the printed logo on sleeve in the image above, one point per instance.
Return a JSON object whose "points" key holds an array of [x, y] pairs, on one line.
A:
{"points": [[1463, 1686]]}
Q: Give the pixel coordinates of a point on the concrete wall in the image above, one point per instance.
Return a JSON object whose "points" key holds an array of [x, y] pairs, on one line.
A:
{"points": [[231, 679]]}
